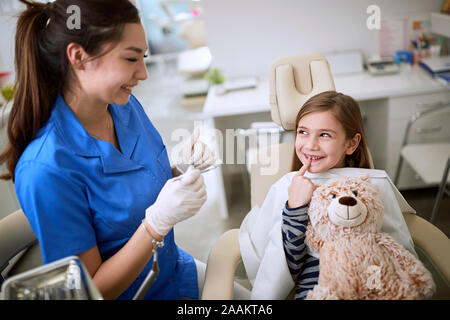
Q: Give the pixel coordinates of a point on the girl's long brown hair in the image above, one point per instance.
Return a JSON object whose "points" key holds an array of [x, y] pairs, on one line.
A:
{"points": [[347, 112], [41, 64]]}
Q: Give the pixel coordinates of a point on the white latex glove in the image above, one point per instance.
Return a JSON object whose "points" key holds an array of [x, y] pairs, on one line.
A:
{"points": [[196, 152], [177, 201]]}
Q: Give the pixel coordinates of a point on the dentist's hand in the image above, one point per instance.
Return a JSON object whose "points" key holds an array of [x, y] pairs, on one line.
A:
{"points": [[301, 188], [196, 152], [177, 201]]}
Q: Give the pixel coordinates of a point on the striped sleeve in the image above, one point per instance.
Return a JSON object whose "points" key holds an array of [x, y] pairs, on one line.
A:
{"points": [[308, 278], [294, 224]]}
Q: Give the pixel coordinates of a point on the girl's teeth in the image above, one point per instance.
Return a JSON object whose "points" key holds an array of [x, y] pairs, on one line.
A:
{"points": [[313, 158]]}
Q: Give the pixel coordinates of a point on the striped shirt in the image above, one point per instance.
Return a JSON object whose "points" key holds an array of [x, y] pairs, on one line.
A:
{"points": [[304, 268]]}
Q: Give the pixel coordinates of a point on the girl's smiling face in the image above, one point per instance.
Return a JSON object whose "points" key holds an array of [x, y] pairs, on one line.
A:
{"points": [[321, 139]]}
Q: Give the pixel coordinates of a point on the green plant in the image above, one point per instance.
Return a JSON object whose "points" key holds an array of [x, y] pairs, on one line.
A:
{"points": [[215, 76], [8, 92]]}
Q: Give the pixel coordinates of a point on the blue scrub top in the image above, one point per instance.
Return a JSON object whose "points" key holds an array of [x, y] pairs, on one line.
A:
{"points": [[78, 192]]}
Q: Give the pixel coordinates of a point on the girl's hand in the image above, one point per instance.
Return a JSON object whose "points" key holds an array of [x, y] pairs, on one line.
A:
{"points": [[301, 188]]}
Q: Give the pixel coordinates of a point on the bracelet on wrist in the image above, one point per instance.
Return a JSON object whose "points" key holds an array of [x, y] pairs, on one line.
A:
{"points": [[155, 243]]}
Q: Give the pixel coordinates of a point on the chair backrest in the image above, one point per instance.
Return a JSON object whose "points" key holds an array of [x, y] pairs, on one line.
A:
{"points": [[15, 236], [292, 81]]}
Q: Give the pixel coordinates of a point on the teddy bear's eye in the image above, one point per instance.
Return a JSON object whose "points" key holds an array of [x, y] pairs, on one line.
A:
{"points": [[332, 195], [355, 193]]}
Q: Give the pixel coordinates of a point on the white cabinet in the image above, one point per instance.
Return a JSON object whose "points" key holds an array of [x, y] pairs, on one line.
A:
{"points": [[386, 121]]}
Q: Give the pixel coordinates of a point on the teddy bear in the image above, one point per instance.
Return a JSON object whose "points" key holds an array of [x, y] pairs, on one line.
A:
{"points": [[357, 260]]}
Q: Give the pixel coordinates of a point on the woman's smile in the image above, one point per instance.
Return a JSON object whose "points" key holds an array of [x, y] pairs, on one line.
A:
{"points": [[126, 89]]}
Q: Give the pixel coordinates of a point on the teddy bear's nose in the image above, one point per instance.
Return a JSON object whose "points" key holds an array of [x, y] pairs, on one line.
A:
{"points": [[347, 201]]}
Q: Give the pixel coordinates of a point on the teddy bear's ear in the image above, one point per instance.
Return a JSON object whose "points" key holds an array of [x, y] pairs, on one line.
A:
{"points": [[365, 177]]}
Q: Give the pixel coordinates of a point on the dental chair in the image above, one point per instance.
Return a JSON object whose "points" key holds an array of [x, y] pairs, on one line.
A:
{"points": [[293, 80], [23, 275], [19, 247]]}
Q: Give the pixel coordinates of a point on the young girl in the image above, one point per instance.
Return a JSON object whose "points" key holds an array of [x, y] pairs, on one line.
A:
{"points": [[330, 142], [330, 134], [91, 172]]}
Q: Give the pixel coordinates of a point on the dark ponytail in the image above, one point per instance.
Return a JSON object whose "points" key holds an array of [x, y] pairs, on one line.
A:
{"points": [[42, 67]]}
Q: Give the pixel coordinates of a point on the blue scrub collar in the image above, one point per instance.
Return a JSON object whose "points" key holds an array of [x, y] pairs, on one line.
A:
{"points": [[82, 144]]}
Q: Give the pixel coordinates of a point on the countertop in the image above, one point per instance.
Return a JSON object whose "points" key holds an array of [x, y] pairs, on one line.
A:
{"points": [[360, 86]]}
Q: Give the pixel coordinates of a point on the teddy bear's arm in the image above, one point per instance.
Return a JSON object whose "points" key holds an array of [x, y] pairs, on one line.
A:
{"points": [[407, 264], [313, 240]]}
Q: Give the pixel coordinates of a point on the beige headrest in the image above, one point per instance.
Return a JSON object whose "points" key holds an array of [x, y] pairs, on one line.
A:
{"points": [[293, 80]]}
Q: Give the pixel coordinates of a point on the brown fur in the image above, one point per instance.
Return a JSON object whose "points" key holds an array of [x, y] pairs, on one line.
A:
{"points": [[360, 262]]}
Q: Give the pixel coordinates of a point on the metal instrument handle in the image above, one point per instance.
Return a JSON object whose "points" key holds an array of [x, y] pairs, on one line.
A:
{"points": [[149, 279]]}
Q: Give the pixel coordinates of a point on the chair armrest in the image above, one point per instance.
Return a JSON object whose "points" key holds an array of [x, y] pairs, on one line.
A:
{"points": [[432, 240], [221, 266], [15, 235]]}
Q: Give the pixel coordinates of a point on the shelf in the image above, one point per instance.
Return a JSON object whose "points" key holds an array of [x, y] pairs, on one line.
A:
{"points": [[440, 23]]}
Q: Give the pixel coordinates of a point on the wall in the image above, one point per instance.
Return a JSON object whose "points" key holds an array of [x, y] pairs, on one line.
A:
{"points": [[245, 36], [161, 42], [8, 12]]}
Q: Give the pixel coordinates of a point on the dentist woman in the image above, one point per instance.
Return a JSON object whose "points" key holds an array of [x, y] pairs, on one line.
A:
{"points": [[91, 172]]}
